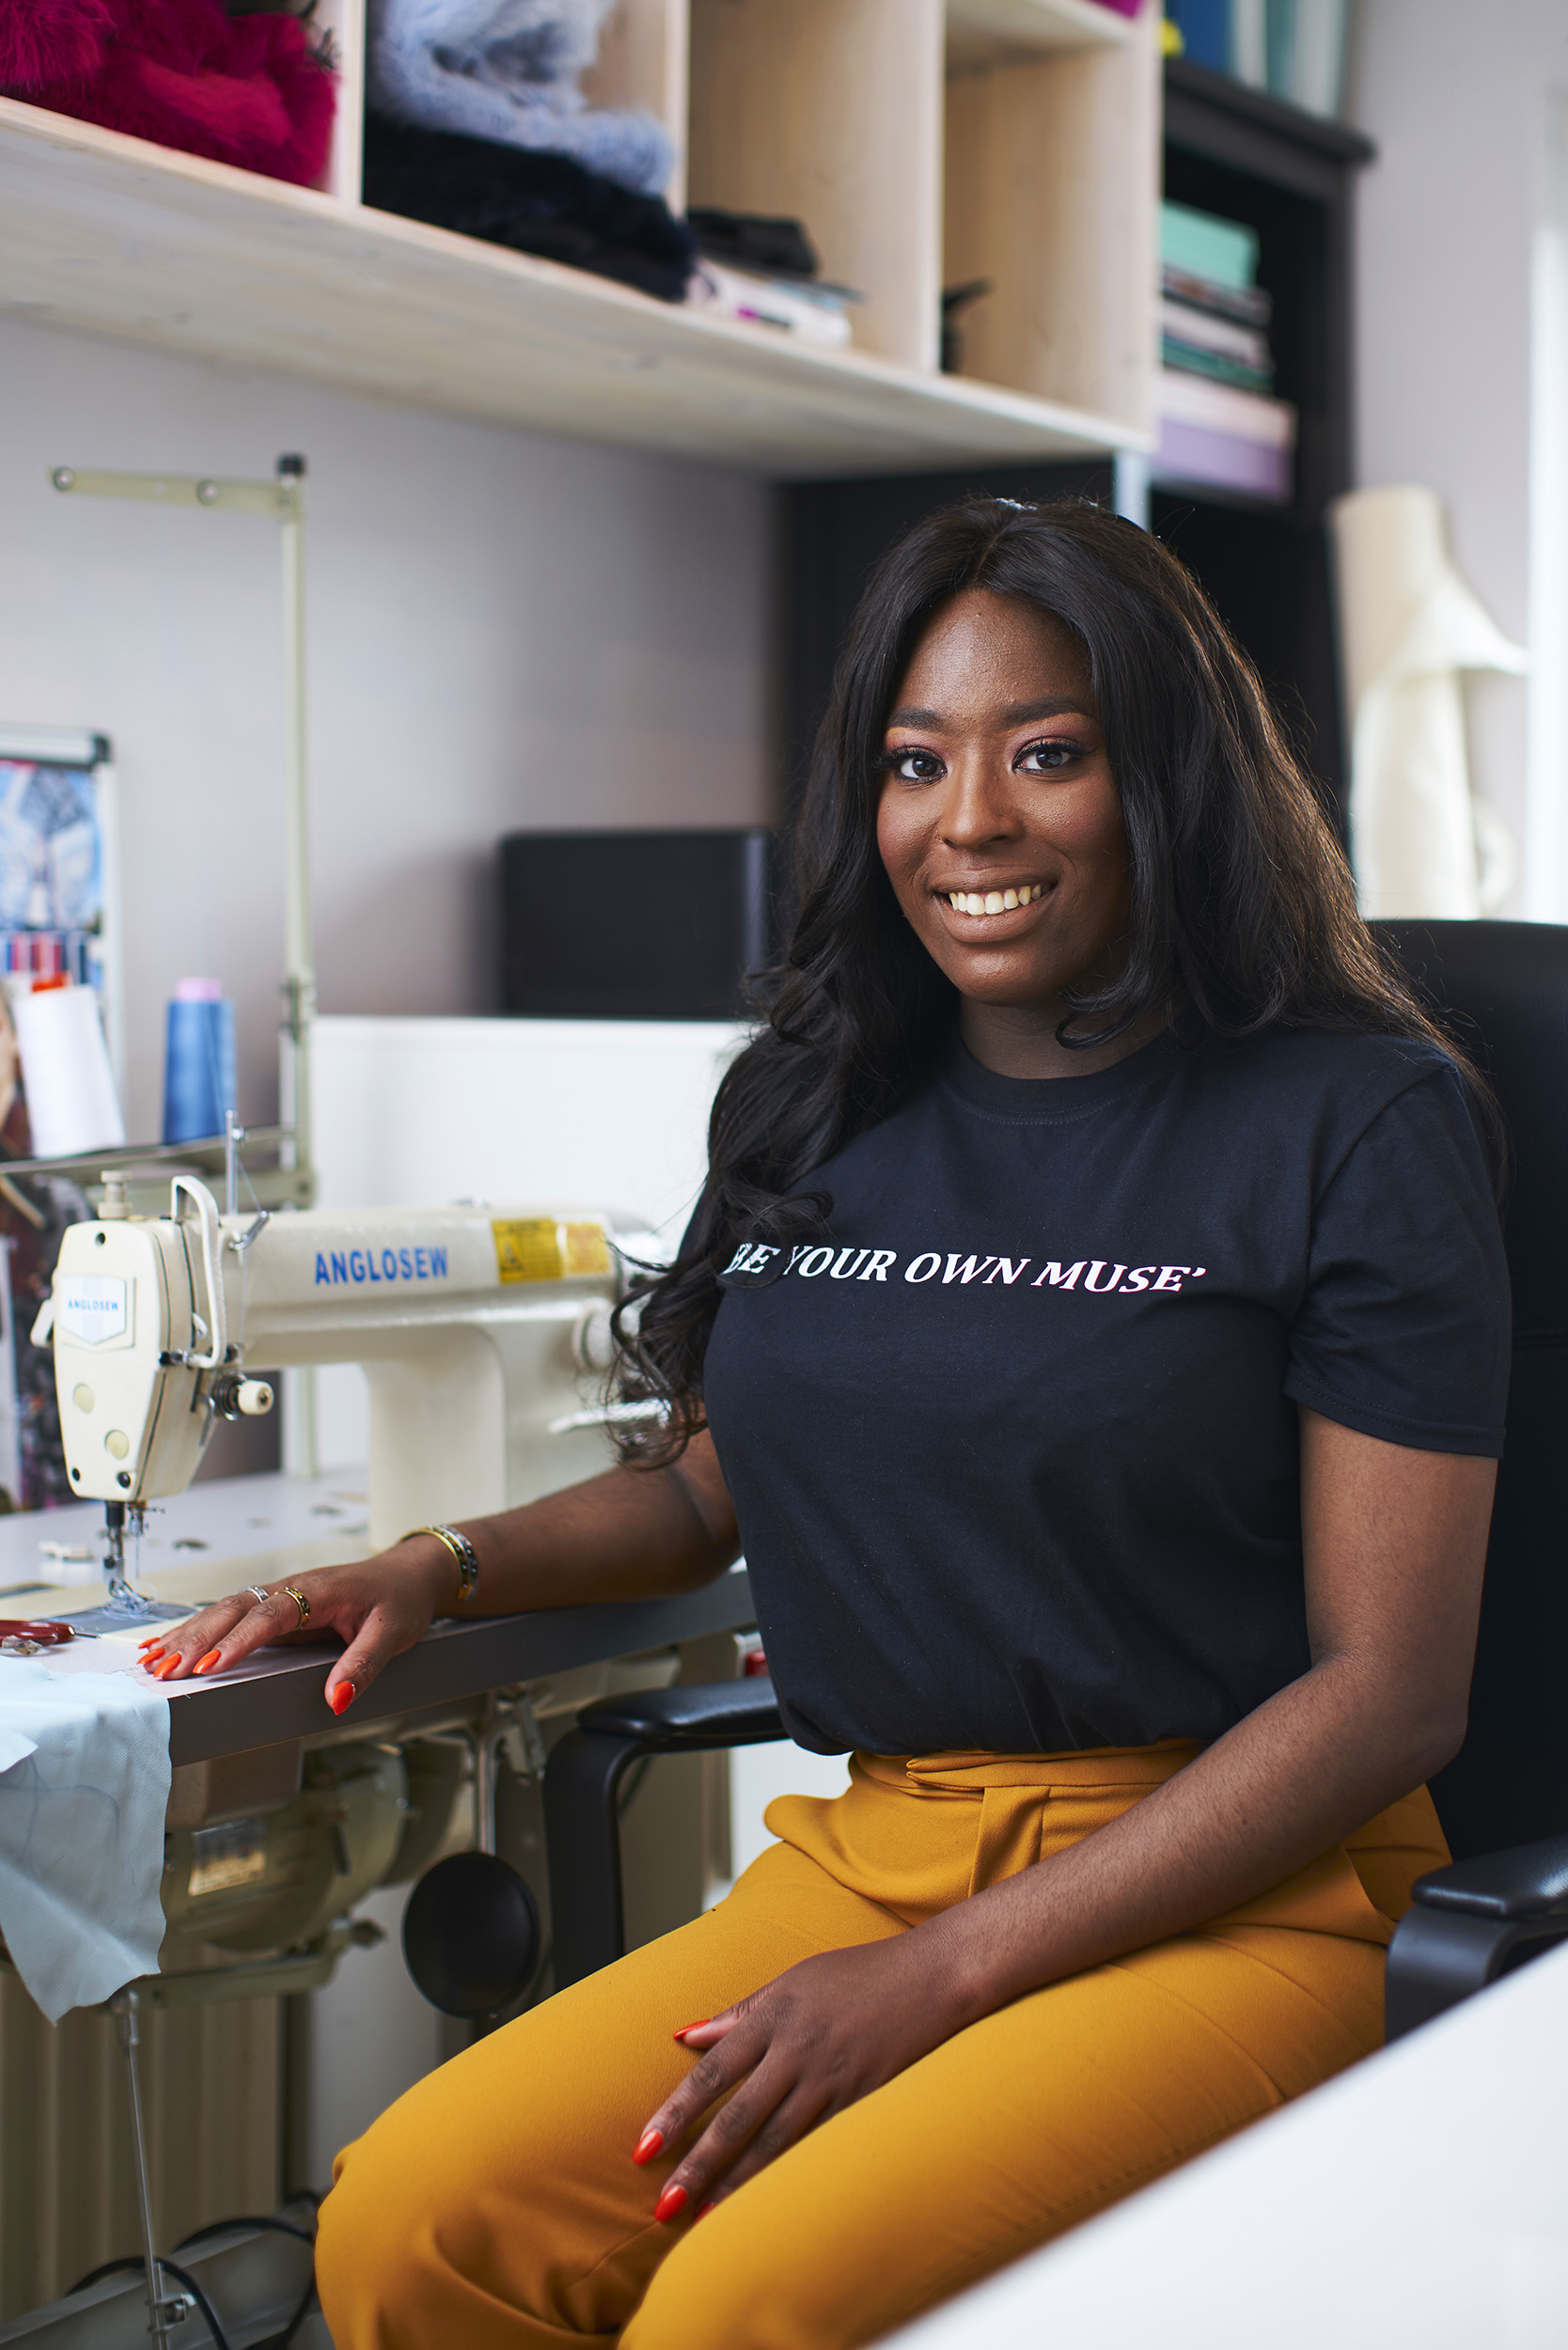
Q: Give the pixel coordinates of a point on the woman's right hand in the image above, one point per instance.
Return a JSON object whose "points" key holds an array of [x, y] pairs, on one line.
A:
{"points": [[378, 1607]]}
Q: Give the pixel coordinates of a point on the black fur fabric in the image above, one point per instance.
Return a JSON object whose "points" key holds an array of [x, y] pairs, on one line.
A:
{"points": [[536, 203]]}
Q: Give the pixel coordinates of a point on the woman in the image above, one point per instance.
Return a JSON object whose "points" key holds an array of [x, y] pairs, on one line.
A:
{"points": [[1095, 1325]]}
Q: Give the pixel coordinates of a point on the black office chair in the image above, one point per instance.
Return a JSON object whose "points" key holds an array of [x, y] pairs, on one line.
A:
{"points": [[1503, 1800], [1504, 986], [582, 1798]]}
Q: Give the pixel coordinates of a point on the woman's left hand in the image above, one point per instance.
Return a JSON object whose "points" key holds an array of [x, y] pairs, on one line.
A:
{"points": [[805, 2046]]}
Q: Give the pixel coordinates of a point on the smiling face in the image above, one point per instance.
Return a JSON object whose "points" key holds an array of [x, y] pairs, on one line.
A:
{"points": [[1000, 827]]}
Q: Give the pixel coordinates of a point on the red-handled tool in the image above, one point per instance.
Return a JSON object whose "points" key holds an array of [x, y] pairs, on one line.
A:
{"points": [[48, 1632]]}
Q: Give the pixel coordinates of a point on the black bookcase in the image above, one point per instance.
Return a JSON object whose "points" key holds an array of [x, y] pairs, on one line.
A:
{"points": [[1290, 176]]}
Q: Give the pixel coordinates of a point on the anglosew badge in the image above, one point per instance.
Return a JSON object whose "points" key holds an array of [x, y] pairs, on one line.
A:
{"points": [[94, 1309]]}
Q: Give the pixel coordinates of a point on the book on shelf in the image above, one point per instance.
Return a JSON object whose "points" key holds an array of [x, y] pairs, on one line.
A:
{"points": [[1222, 254], [1220, 424], [1217, 435], [1217, 348], [1250, 305], [1294, 49], [811, 308], [1205, 330]]}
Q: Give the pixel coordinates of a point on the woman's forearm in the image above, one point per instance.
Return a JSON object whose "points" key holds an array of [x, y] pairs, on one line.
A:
{"points": [[626, 1535], [1309, 1766], [629, 1534], [1395, 1545]]}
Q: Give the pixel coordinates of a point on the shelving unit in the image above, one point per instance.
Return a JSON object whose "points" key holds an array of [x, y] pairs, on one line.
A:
{"points": [[836, 111], [981, 32], [1292, 176], [1233, 151]]}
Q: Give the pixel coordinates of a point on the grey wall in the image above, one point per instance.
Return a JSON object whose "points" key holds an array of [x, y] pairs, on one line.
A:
{"points": [[1454, 94], [504, 631]]}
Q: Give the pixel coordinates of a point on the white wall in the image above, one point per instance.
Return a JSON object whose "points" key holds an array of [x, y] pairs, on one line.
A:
{"points": [[1454, 94], [504, 630]]}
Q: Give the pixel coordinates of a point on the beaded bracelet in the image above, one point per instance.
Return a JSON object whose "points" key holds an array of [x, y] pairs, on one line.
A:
{"points": [[466, 1556]]}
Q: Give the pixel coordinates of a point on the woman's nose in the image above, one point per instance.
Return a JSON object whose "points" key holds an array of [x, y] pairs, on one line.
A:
{"points": [[979, 806]]}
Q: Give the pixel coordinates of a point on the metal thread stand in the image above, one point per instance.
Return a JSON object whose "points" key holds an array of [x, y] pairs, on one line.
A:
{"points": [[162, 2310], [283, 497]]}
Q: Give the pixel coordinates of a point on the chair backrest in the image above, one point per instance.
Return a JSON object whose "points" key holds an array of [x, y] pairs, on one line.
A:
{"points": [[1503, 988]]}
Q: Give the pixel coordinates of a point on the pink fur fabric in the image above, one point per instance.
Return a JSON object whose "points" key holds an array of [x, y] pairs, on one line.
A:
{"points": [[243, 91]]}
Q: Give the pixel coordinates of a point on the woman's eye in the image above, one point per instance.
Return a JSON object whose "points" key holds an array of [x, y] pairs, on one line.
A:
{"points": [[1043, 758], [915, 766]]}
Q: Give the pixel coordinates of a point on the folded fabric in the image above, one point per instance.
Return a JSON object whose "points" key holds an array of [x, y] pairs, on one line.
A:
{"points": [[84, 1790], [543, 204], [753, 241], [507, 70], [247, 90]]}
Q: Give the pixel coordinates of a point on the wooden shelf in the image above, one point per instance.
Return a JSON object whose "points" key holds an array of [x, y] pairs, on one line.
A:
{"points": [[111, 235], [986, 29]]}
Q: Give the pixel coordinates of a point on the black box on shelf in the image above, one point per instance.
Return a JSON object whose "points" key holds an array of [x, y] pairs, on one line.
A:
{"points": [[634, 925]]}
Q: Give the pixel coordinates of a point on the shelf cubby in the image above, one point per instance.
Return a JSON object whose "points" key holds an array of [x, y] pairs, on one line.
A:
{"points": [[834, 111], [830, 110], [1051, 195]]}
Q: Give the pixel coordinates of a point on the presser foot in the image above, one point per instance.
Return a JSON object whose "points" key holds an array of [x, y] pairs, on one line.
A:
{"points": [[123, 1597]]}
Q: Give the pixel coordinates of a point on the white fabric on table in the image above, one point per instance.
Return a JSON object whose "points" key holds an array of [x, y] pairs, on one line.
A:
{"points": [[84, 1790]]}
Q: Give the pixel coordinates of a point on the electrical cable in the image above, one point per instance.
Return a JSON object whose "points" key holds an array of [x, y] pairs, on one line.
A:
{"points": [[169, 2268], [302, 2310], [279, 2227], [226, 2227]]}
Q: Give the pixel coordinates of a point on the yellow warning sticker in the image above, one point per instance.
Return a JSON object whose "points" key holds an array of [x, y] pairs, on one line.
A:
{"points": [[586, 1249], [527, 1248]]}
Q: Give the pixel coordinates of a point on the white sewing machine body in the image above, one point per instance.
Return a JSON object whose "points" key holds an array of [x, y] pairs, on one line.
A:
{"points": [[479, 1332]]}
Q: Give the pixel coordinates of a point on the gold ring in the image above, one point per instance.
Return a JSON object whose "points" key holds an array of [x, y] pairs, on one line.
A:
{"points": [[301, 1602]]}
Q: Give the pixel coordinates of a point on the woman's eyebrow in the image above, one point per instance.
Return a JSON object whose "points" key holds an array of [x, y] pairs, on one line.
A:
{"points": [[1048, 706]]}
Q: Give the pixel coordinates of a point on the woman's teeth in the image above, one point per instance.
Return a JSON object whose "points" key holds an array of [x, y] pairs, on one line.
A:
{"points": [[995, 901]]}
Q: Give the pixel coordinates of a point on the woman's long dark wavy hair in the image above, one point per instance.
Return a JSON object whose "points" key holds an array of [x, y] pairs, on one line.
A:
{"points": [[1243, 906]]}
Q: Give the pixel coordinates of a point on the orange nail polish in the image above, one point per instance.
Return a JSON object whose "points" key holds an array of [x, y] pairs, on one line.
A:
{"points": [[697, 2026], [162, 1669], [151, 1639], [342, 1697], [672, 2203], [647, 2145], [150, 1655], [208, 1660]]}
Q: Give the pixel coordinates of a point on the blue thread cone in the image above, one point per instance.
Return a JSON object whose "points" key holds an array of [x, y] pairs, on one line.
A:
{"points": [[198, 1068]]}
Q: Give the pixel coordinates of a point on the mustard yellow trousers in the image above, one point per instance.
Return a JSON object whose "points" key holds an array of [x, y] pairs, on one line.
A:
{"points": [[496, 2206]]}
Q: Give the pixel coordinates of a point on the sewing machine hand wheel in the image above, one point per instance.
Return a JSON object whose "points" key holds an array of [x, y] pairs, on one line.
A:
{"points": [[471, 1934]]}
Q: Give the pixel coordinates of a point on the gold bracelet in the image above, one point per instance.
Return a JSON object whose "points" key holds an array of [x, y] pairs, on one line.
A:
{"points": [[464, 1556]]}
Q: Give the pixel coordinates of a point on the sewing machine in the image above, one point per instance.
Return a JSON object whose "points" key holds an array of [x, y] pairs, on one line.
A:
{"points": [[484, 1336], [479, 1333]]}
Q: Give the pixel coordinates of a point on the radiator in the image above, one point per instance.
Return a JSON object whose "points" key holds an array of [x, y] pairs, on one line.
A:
{"points": [[224, 2126], [211, 2084]]}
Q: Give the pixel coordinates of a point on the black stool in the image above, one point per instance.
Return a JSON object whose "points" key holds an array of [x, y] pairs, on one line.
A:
{"points": [[582, 1785]]}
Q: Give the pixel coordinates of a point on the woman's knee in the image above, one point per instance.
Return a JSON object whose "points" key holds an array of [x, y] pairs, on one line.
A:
{"points": [[369, 2224], [367, 2259]]}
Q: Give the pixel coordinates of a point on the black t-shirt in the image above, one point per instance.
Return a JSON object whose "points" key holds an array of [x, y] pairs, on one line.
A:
{"points": [[1016, 1456]]}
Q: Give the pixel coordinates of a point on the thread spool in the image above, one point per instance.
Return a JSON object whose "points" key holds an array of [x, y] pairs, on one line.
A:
{"points": [[72, 1103], [198, 1064]]}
